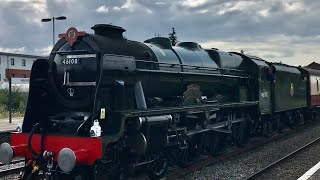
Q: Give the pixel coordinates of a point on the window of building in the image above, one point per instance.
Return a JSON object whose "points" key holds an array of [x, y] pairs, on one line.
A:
{"points": [[23, 62], [12, 75], [24, 76], [12, 61]]}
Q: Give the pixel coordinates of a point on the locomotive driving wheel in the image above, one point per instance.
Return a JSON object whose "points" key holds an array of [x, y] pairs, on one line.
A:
{"points": [[240, 133], [215, 143], [159, 168], [186, 153]]}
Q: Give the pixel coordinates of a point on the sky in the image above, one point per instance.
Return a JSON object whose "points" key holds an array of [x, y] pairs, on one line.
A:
{"points": [[286, 31]]}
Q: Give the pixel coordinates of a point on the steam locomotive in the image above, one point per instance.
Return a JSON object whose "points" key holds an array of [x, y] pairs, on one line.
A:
{"points": [[103, 106]]}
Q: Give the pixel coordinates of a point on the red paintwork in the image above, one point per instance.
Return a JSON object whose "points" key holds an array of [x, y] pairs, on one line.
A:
{"points": [[315, 100], [72, 35], [82, 156], [19, 150], [87, 150]]}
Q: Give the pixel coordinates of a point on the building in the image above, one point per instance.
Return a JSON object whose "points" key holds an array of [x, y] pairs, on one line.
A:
{"points": [[314, 65], [16, 65]]}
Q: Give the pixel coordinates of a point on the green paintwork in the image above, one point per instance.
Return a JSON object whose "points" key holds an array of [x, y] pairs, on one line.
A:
{"points": [[290, 89], [259, 86], [243, 94], [264, 97], [223, 89]]}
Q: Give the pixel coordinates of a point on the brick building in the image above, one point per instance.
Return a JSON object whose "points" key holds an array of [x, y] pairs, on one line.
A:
{"points": [[16, 65]]}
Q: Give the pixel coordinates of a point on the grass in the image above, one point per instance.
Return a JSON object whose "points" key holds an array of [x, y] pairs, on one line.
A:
{"points": [[4, 115], [18, 103]]}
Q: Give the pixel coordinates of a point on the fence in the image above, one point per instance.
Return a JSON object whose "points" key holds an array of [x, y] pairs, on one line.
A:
{"points": [[13, 97]]}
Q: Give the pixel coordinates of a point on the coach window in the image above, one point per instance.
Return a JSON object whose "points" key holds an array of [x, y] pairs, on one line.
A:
{"points": [[12, 61], [23, 62]]}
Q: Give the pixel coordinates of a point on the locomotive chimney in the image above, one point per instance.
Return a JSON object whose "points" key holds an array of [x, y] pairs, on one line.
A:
{"points": [[108, 30]]}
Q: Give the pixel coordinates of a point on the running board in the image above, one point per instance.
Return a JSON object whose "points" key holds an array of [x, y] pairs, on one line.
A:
{"points": [[226, 131]]}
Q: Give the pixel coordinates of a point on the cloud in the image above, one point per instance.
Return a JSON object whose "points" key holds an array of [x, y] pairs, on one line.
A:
{"points": [[241, 6], [203, 11], [193, 3], [20, 50], [134, 6], [160, 3], [128, 5], [116, 8], [274, 48], [273, 29], [294, 7], [29, 10], [264, 12], [44, 51], [102, 9]]}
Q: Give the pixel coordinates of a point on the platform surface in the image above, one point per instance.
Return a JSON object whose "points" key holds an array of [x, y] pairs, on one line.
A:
{"points": [[312, 174], [6, 126], [315, 176]]}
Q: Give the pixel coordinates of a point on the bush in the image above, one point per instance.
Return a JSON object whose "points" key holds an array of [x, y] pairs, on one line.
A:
{"points": [[18, 102], [3, 112]]}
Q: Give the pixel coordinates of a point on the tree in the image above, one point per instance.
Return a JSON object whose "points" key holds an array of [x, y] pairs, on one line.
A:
{"points": [[173, 37]]}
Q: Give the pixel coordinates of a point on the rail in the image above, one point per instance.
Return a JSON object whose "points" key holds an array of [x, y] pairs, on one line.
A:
{"points": [[275, 163], [179, 173], [12, 168]]}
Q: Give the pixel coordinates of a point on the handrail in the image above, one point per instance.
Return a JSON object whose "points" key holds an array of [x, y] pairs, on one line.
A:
{"points": [[218, 70], [67, 52], [197, 67]]}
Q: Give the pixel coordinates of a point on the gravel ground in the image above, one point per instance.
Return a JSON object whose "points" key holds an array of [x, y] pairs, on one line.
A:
{"points": [[295, 166], [11, 166], [11, 177], [247, 163]]}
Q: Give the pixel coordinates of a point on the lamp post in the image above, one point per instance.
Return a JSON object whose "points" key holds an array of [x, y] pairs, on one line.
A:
{"points": [[53, 18]]}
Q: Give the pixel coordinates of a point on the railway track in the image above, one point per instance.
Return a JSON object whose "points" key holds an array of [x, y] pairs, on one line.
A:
{"points": [[179, 173], [211, 160], [13, 168], [268, 168]]}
